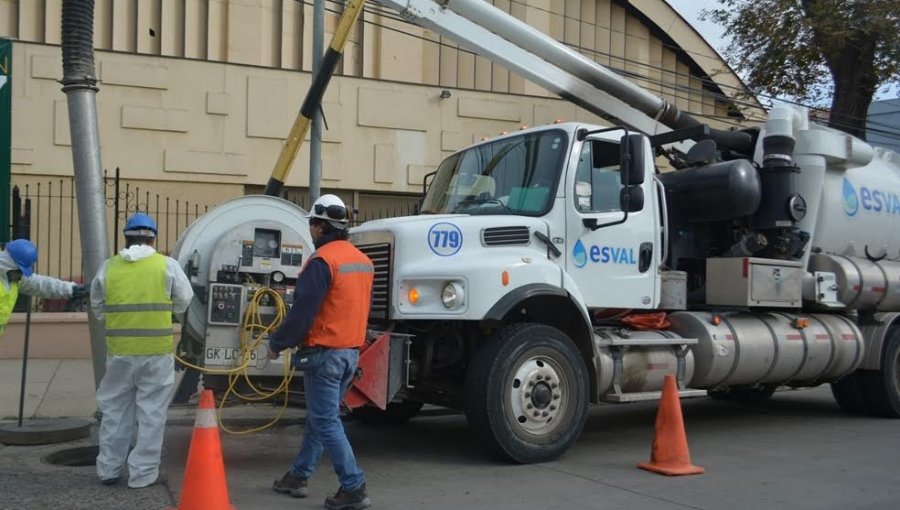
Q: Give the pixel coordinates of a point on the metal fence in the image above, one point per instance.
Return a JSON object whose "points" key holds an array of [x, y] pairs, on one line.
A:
{"points": [[47, 213]]}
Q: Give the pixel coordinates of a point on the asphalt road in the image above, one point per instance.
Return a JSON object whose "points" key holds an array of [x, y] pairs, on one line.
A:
{"points": [[797, 451]]}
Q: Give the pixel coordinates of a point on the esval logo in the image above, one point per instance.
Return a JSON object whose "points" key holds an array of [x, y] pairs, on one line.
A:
{"points": [[601, 255], [874, 200], [851, 203]]}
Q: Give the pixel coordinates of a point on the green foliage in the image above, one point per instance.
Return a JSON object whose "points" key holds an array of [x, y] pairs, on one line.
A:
{"points": [[813, 50]]}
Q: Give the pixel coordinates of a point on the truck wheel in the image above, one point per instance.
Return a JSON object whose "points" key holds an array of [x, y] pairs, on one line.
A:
{"points": [[848, 393], [881, 388], [526, 393], [397, 413]]}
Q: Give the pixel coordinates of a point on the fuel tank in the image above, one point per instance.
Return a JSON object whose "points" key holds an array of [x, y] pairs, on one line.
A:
{"points": [[743, 349]]}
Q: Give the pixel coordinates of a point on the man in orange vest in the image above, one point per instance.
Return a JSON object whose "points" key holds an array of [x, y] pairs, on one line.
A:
{"points": [[328, 321]]}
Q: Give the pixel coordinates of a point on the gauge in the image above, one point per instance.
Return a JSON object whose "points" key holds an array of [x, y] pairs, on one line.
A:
{"points": [[277, 277], [273, 243]]}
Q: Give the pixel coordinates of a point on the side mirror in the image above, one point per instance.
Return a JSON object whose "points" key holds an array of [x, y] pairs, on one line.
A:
{"points": [[631, 199], [632, 148]]}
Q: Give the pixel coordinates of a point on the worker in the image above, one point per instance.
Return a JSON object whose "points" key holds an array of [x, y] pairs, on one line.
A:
{"points": [[17, 275], [136, 292], [328, 321]]}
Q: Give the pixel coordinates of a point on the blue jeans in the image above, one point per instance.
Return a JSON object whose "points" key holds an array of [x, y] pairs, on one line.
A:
{"points": [[327, 373]]}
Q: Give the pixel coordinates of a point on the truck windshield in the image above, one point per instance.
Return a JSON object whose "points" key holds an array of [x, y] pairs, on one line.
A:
{"points": [[516, 175]]}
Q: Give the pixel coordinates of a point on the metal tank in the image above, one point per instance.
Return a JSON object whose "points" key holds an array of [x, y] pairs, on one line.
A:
{"points": [[860, 211], [644, 366], [742, 349]]}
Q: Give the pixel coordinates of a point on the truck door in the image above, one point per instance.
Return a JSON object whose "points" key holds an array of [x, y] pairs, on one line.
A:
{"points": [[615, 263]]}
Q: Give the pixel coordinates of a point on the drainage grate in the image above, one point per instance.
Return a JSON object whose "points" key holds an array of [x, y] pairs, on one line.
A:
{"points": [[75, 457]]}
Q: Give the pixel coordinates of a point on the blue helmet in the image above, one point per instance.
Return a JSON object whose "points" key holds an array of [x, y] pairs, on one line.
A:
{"points": [[24, 253], [140, 225]]}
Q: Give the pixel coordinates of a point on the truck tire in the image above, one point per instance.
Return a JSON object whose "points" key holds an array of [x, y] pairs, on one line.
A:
{"points": [[526, 393], [881, 388], [848, 393], [397, 413]]}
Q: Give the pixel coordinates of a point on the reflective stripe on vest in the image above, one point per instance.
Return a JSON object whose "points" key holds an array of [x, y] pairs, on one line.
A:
{"points": [[7, 302], [138, 308], [341, 321]]}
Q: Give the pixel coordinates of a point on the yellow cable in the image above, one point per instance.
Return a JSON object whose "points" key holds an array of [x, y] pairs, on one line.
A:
{"points": [[252, 325]]}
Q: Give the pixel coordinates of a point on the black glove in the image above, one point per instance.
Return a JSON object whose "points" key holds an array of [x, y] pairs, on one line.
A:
{"points": [[80, 291]]}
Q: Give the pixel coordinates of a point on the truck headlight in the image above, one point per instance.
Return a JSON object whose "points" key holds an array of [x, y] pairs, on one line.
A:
{"points": [[452, 295]]}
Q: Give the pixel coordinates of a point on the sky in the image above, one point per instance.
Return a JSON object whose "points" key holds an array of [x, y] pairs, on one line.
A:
{"points": [[690, 11]]}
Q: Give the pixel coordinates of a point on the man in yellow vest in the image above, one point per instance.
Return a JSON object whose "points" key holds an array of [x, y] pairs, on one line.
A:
{"points": [[328, 319], [17, 276], [136, 292]]}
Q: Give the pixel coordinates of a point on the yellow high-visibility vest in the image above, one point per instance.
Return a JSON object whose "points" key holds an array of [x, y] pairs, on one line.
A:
{"points": [[7, 302], [138, 309]]}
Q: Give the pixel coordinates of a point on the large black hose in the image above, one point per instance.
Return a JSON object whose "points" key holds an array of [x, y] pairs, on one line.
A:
{"points": [[78, 43]]}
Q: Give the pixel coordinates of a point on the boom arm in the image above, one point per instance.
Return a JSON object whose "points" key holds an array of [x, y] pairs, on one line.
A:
{"points": [[494, 34]]}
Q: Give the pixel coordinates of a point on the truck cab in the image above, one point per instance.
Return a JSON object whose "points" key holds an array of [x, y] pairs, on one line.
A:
{"points": [[519, 240]]}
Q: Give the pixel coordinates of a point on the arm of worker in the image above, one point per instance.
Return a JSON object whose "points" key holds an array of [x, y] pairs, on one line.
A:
{"points": [[309, 293], [98, 291], [181, 291], [46, 287]]}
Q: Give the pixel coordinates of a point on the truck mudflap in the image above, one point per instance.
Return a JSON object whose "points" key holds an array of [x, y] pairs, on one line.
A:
{"points": [[382, 371]]}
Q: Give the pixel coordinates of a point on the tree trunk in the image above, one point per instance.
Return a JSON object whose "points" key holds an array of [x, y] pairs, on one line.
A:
{"points": [[855, 83]]}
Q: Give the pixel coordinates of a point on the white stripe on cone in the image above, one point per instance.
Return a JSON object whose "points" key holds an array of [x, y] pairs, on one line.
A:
{"points": [[206, 419]]}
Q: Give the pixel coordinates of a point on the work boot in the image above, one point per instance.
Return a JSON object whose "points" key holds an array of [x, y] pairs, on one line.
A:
{"points": [[349, 500], [290, 484]]}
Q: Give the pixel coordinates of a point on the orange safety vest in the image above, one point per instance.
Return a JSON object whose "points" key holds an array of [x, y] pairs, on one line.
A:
{"points": [[341, 321]]}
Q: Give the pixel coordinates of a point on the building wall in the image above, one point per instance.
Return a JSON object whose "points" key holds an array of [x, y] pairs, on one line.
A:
{"points": [[196, 96]]}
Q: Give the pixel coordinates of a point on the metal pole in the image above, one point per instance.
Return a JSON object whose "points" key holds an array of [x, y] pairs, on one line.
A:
{"points": [[25, 358], [79, 84], [315, 142]]}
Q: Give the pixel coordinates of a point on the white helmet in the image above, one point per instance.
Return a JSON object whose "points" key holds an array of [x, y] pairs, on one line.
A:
{"points": [[331, 209]]}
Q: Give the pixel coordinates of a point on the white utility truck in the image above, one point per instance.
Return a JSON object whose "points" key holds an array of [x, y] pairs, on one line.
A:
{"points": [[533, 282]]}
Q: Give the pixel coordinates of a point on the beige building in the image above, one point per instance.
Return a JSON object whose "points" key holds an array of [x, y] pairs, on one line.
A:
{"points": [[196, 97]]}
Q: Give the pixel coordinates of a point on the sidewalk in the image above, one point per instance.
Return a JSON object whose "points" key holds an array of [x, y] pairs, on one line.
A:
{"points": [[55, 388]]}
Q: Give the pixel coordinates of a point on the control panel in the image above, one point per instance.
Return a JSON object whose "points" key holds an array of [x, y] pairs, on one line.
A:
{"points": [[225, 302]]}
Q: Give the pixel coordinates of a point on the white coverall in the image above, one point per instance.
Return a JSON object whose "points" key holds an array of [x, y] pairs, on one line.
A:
{"points": [[136, 388], [35, 285]]}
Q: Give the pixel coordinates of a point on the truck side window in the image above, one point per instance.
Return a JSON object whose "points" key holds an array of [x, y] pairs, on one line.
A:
{"points": [[597, 181]]}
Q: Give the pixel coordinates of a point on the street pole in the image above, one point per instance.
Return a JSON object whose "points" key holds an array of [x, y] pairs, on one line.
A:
{"points": [[315, 143], [80, 86]]}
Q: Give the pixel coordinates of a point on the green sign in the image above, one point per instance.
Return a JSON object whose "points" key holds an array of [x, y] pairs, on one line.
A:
{"points": [[5, 135]]}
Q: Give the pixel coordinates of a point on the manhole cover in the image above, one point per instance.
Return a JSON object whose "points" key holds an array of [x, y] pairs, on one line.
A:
{"points": [[82, 456]]}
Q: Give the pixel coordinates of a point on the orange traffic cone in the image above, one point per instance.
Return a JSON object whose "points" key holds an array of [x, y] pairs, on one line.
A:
{"points": [[204, 486], [670, 451]]}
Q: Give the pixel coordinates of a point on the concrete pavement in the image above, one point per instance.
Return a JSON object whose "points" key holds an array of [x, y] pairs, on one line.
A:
{"points": [[797, 451]]}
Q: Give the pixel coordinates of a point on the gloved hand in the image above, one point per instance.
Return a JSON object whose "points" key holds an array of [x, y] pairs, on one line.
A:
{"points": [[80, 291]]}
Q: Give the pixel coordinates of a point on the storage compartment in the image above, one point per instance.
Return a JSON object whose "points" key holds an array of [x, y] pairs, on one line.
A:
{"points": [[749, 282]]}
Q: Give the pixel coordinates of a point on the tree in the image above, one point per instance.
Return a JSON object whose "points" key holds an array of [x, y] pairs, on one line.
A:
{"points": [[810, 49]]}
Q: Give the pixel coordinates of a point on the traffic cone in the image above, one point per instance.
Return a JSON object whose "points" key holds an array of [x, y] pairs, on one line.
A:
{"points": [[670, 451], [204, 486]]}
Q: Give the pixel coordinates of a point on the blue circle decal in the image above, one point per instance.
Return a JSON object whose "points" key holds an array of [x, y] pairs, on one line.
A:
{"points": [[445, 239]]}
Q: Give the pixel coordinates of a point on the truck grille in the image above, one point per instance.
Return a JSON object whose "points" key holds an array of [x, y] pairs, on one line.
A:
{"points": [[505, 236], [381, 289]]}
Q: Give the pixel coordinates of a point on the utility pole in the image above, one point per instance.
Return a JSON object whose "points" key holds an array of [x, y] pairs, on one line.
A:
{"points": [[80, 86], [315, 142]]}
